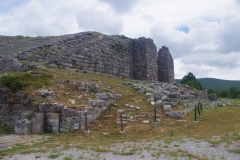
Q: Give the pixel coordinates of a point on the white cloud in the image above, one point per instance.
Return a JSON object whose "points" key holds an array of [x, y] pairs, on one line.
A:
{"points": [[99, 21], [122, 6], [210, 47]]}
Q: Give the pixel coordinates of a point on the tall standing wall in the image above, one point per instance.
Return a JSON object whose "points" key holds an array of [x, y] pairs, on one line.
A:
{"points": [[165, 65], [144, 59]]}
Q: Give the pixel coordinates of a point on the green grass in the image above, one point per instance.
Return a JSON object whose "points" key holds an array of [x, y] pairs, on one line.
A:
{"points": [[53, 156], [19, 80], [4, 129]]}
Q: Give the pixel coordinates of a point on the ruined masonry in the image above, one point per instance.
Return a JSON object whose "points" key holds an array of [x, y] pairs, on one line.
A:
{"points": [[165, 65], [87, 51], [90, 51]]}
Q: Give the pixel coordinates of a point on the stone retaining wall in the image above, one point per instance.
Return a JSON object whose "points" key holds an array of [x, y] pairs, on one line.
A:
{"points": [[19, 108]]}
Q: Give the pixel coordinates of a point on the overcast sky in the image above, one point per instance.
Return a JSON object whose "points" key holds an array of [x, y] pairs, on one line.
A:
{"points": [[203, 36]]}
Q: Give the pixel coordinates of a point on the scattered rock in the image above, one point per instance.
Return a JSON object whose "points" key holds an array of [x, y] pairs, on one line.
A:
{"points": [[166, 108], [145, 121], [228, 103], [50, 95]]}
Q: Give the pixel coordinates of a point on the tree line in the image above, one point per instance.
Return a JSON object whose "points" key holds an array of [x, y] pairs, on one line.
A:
{"points": [[233, 92], [191, 80]]}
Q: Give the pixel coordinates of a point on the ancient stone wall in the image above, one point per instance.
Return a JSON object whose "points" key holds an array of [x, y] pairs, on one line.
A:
{"points": [[91, 51], [165, 65], [18, 107], [97, 53], [144, 59]]}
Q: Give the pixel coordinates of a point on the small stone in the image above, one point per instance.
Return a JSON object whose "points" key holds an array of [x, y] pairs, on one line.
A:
{"points": [[131, 106], [167, 108], [138, 108], [145, 121], [72, 101], [105, 134]]}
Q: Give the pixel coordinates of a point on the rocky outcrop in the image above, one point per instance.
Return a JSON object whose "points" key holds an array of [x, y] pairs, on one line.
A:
{"points": [[8, 63]]}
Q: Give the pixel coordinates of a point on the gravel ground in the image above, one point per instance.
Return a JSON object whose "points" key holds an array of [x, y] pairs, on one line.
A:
{"points": [[183, 149]]}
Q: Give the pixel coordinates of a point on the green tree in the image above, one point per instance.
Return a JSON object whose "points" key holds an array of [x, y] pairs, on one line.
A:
{"points": [[232, 93], [191, 80], [210, 91], [224, 94]]}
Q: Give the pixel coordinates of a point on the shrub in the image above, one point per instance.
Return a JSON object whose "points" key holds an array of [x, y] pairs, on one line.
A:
{"points": [[17, 81]]}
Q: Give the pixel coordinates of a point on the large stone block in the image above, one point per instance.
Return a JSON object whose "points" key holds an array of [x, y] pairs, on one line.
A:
{"points": [[38, 123], [23, 127]]}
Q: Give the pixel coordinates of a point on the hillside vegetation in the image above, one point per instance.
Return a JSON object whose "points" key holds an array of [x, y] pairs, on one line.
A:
{"points": [[216, 84], [210, 124]]}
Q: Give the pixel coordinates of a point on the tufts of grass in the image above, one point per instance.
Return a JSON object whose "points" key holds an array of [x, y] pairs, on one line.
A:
{"points": [[4, 129], [53, 156], [68, 158]]}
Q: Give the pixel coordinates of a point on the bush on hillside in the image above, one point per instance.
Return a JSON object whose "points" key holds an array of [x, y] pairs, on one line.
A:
{"points": [[17, 81]]}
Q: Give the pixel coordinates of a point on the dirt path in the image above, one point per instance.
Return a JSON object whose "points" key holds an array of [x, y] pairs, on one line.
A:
{"points": [[7, 141], [183, 149]]}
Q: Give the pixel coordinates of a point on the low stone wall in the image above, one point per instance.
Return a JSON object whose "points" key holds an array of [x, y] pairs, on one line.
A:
{"points": [[17, 110], [179, 114]]}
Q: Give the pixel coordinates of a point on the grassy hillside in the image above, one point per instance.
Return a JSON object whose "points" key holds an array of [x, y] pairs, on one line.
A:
{"points": [[216, 84], [169, 129]]}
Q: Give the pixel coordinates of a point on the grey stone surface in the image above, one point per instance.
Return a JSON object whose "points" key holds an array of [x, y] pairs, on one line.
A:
{"points": [[179, 114], [159, 104], [165, 65], [23, 127], [228, 103], [50, 95], [166, 108]]}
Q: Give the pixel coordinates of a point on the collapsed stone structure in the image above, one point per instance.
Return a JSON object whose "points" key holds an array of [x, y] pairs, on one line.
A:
{"points": [[91, 51]]}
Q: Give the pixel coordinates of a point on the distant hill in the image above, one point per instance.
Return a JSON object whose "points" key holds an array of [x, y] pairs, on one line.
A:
{"points": [[216, 84]]}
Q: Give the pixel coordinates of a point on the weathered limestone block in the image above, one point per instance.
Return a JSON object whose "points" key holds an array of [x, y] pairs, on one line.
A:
{"points": [[8, 63], [179, 114], [141, 91], [149, 95], [166, 108], [23, 127], [159, 104], [50, 107], [38, 123], [175, 95]]}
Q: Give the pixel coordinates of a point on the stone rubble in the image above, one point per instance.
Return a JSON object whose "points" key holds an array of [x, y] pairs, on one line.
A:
{"points": [[170, 95]]}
